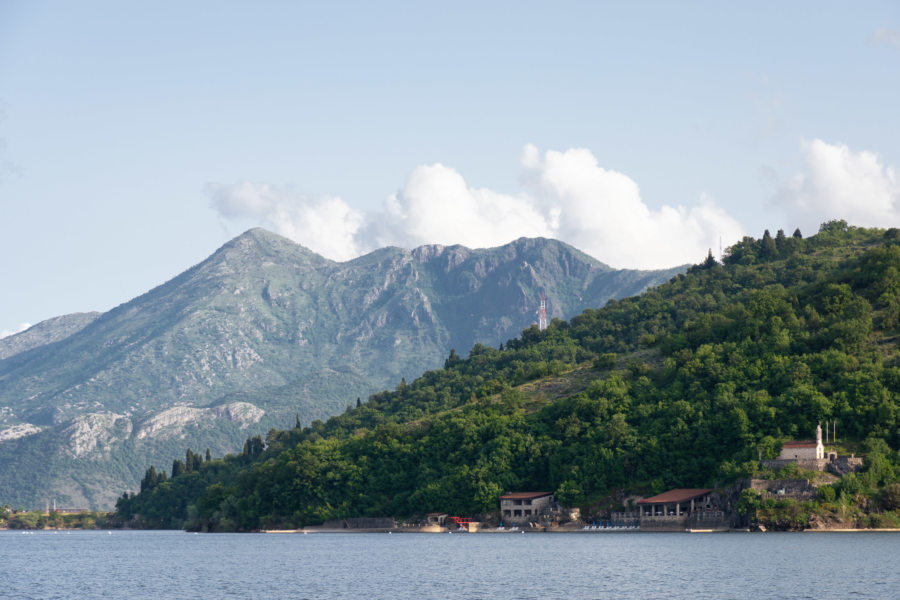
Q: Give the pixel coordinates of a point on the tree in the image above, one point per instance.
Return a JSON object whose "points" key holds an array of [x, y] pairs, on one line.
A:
{"points": [[768, 248], [254, 446], [569, 493], [150, 480], [797, 235], [890, 497], [834, 225], [780, 240], [748, 503], [452, 359]]}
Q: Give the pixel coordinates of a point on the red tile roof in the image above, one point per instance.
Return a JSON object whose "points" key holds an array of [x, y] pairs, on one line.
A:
{"points": [[799, 445], [679, 495], [524, 495]]}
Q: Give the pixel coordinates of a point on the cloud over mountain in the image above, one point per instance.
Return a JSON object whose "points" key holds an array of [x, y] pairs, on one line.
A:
{"points": [[838, 183], [8, 332], [565, 195]]}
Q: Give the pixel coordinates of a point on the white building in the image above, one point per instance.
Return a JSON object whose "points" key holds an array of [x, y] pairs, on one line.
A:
{"points": [[804, 450]]}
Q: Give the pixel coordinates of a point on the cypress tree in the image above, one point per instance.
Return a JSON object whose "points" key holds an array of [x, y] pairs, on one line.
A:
{"points": [[767, 248], [780, 240]]}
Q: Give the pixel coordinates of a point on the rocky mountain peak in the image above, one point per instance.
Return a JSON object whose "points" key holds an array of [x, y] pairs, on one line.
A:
{"points": [[268, 323]]}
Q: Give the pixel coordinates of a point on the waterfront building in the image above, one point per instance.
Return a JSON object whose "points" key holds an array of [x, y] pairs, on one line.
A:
{"points": [[527, 506]]}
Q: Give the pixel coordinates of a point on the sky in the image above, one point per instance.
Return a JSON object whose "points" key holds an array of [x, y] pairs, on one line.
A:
{"points": [[137, 138]]}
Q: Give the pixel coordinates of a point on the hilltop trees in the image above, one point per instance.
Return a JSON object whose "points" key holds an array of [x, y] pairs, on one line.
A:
{"points": [[687, 385]]}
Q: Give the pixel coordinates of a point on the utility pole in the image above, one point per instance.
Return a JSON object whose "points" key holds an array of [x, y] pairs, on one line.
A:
{"points": [[542, 313]]}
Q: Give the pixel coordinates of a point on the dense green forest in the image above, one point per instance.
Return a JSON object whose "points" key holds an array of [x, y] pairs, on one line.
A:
{"points": [[686, 385]]}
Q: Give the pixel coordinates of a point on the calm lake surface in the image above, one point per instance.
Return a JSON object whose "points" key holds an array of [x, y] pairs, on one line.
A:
{"points": [[162, 565]]}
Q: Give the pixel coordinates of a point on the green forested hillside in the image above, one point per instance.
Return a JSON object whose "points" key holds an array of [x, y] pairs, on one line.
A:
{"points": [[260, 332], [683, 386]]}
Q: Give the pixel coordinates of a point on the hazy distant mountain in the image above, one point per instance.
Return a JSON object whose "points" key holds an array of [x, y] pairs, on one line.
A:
{"points": [[262, 331], [45, 332]]}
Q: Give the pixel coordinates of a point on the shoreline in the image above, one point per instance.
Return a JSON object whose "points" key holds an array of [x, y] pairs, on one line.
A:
{"points": [[305, 531]]}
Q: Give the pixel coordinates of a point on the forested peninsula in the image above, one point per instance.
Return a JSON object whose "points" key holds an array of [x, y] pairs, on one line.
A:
{"points": [[690, 384]]}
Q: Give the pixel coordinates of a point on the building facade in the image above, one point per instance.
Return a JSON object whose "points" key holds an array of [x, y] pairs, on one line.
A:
{"points": [[805, 450], [526, 506], [682, 509]]}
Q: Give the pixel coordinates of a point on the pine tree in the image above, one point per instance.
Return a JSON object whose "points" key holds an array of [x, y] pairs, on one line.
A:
{"points": [[797, 235]]}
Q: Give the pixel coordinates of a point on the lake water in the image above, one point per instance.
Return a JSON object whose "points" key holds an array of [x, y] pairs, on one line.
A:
{"points": [[162, 565]]}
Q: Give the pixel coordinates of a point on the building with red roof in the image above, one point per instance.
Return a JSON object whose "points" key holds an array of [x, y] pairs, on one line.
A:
{"points": [[804, 450], [676, 503]]}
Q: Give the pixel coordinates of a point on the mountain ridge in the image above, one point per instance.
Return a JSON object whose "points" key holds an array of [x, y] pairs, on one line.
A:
{"points": [[295, 334], [690, 385]]}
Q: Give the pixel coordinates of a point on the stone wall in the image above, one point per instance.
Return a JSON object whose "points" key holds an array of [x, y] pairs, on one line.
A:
{"points": [[810, 464], [843, 465], [838, 465], [797, 489], [668, 523], [715, 520]]}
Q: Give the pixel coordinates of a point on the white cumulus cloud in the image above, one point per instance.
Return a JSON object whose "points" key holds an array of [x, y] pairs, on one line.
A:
{"points": [[601, 212], [326, 224], [838, 183], [436, 206], [565, 195]]}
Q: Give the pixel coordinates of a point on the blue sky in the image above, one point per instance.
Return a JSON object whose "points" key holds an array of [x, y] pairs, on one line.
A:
{"points": [[137, 138]]}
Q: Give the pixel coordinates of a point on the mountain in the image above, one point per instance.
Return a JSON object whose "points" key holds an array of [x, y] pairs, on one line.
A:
{"points": [[260, 334], [688, 385], [45, 332]]}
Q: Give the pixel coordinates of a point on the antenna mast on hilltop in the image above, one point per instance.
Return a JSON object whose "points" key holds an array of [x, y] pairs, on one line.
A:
{"points": [[542, 313]]}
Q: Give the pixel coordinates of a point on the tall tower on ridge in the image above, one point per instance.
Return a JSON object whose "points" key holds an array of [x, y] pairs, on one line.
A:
{"points": [[542, 313]]}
